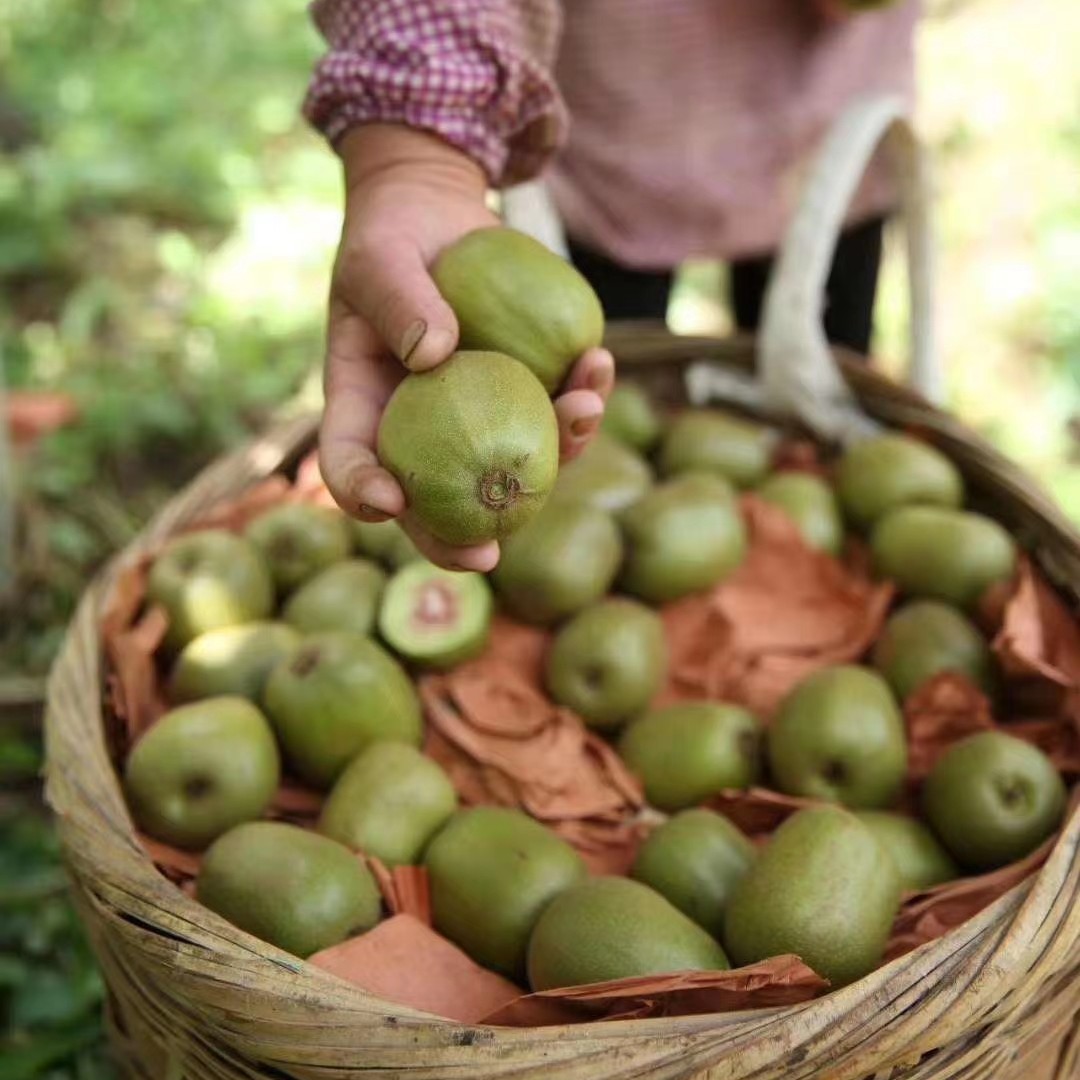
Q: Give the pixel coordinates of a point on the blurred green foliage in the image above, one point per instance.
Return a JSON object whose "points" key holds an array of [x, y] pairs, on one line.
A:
{"points": [[50, 989], [165, 222]]}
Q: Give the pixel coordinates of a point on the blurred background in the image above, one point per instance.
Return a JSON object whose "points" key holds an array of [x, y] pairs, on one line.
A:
{"points": [[166, 229]]}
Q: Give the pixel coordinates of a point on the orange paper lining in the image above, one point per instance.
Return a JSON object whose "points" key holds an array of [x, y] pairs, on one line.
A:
{"points": [[780, 980], [405, 961]]}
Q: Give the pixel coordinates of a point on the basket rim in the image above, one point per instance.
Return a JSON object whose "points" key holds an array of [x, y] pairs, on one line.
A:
{"points": [[848, 1017]]}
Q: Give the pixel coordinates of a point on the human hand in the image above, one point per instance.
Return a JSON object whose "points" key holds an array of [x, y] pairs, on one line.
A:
{"points": [[409, 195]]}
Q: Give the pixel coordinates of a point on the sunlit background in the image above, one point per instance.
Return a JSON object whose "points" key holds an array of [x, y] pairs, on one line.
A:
{"points": [[166, 228]]}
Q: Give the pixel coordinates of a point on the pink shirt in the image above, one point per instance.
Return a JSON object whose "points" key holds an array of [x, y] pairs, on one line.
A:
{"points": [[691, 118]]}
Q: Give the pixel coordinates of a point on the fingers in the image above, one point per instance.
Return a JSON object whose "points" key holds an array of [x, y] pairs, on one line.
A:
{"points": [[480, 558], [357, 384], [580, 408], [388, 284], [579, 413], [594, 371]]}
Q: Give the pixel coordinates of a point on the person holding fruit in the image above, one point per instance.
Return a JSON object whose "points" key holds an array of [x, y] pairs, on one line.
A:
{"points": [[690, 121]]}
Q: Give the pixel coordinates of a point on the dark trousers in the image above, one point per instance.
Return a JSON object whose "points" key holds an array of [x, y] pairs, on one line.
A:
{"points": [[849, 310]]}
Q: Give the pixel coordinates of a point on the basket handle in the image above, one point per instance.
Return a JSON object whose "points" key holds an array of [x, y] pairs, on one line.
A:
{"points": [[796, 366], [529, 208]]}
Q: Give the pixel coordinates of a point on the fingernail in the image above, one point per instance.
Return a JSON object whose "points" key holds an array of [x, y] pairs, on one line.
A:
{"points": [[413, 336], [599, 380], [373, 513], [584, 425]]}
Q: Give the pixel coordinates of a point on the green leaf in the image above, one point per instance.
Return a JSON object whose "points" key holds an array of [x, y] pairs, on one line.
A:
{"points": [[49, 998], [27, 1061]]}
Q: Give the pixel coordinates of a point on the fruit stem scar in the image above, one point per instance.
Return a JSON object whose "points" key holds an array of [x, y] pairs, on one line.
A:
{"points": [[1011, 791], [305, 662], [834, 772], [197, 787], [499, 489]]}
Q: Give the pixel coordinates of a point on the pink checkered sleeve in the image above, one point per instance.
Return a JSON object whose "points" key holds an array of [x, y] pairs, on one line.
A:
{"points": [[477, 73]]}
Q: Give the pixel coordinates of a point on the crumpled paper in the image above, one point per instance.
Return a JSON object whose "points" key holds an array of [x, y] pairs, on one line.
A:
{"points": [[1038, 646], [404, 961], [785, 613], [946, 708], [502, 742], [405, 890], [780, 980], [131, 637]]}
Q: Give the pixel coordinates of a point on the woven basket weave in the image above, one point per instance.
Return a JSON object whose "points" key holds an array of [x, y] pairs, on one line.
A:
{"points": [[192, 997]]}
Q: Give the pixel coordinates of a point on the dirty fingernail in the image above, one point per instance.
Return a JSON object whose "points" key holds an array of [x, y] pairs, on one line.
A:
{"points": [[584, 425], [412, 337], [600, 379]]}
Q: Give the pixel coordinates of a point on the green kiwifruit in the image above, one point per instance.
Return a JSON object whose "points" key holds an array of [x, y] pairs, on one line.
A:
{"points": [[839, 735], [925, 638], [682, 537], [684, 753], [824, 889], [513, 295], [289, 886], [992, 799], [879, 474], [615, 928], [694, 860], [715, 441], [563, 560], [298, 540], [950, 555], [474, 444], [434, 617], [631, 417], [608, 662]]}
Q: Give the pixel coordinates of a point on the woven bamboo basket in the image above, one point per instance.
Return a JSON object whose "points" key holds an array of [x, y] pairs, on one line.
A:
{"points": [[997, 998]]}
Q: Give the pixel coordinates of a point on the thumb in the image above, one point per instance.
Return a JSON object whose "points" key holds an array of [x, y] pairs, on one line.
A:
{"points": [[389, 285]]}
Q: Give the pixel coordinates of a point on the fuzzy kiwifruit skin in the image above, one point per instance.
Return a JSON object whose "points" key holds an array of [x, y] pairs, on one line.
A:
{"points": [[942, 554], [888, 471], [632, 418], [333, 697], [718, 442], [209, 579], [920, 859], [513, 295], [925, 638], [992, 799], [289, 886], [344, 596], [563, 560], [388, 803], [298, 540], [606, 475], [231, 660], [681, 537], [615, 928], [474, 444], [839, 917], [493, 871]]}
